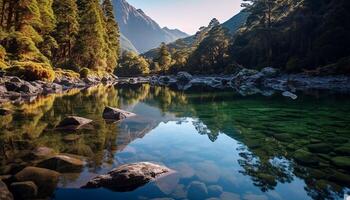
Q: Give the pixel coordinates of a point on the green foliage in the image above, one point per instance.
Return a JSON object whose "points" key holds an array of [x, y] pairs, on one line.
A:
{"points": [[164, 58], [132, 64], [3, 64], [66, 73], [31, 71]]}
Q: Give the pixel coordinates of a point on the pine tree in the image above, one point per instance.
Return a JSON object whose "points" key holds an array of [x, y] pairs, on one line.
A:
{"points": [[164, 60], [112, 31], [67, 27], [90, 47]]}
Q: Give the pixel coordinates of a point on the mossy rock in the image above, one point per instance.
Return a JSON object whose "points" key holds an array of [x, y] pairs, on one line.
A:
{"points": [[342, 162], [343, 150], [283, 137], [305, 157], [339, 177], [319, 148]]}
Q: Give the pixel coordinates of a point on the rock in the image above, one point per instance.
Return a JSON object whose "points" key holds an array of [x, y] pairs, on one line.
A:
{"points": [[269, 72], [116, 114], [73, 122], [4, 111], [45, 179], [15, 80], [129, 177], [290, 95], [24, 190], [42, 152], [184, 77], [5, 194], [343, 150], [12, 86], [319, 148], [197, 191], [62, 163], [164, 79], [342, 162], [305, 157], [27, 88], [215, 190]]}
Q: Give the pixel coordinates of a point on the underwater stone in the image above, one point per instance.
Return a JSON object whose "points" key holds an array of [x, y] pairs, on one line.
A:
{"points": [[342, 162], [73, 122], [319, 148], [197, 191], [24, 190], [62, 163], [215, 190], [305, 157]]}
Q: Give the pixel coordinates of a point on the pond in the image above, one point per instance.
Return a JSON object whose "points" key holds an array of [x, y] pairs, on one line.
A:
{"points": [[222, 145]]}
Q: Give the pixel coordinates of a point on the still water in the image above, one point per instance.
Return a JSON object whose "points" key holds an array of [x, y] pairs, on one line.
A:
{"points": [[223, 146]]}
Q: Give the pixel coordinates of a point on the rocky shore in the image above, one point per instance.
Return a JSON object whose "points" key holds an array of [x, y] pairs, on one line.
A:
{"points": [[246, 82], [16, 90]]}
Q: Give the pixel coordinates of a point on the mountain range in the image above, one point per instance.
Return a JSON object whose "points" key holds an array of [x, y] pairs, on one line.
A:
{"points": [[139, 31]]}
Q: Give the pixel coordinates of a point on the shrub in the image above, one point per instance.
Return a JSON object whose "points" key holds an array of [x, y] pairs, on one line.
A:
{"points": [[84, 73], [67, 73], [31, 71]]}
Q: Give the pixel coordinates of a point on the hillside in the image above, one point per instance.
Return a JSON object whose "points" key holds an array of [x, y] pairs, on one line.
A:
{"points": [[141, 30]]}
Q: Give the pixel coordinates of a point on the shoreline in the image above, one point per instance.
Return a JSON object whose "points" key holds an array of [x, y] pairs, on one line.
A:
{"points": [[266, 82]]}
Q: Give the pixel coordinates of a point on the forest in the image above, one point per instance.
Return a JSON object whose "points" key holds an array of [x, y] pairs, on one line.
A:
{"points": [[40, 38], [82, 37]]}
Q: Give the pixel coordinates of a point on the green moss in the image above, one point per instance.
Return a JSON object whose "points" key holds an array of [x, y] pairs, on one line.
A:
{"points": [[319, 148], [305, 157], [342, 162], [31, 71]]}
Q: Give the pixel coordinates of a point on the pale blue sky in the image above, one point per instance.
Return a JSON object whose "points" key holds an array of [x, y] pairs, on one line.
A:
{"points": [[187, 15]]}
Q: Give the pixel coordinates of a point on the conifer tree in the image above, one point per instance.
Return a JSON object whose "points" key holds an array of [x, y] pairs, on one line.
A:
{"points": [[67, 27], [90, 47], [112, 33]]}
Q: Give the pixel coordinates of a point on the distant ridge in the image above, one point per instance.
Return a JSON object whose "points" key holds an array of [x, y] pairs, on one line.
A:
{"points": [[141, 30]]}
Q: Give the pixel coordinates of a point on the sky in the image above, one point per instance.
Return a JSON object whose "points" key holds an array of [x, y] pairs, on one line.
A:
{"points": [[187, 15]]}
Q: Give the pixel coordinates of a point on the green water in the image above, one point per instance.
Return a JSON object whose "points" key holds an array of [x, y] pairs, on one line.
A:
{"points": [[250, 147]]}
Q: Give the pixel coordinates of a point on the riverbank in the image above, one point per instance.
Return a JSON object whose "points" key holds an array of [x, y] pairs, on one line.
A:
{"points": [[246, 82], [16, 90]]}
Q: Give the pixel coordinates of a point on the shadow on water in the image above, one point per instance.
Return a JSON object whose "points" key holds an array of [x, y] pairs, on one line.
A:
{"points": [[249, 147]]}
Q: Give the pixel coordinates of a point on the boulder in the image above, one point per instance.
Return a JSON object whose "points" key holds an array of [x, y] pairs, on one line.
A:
{"points": [[305, 157], [115, 114], [73, 122], [290, 95], [5, 194], [42, 152], [24, 190], [46, 180], [4, 111], [130, 176], [197, 191], [62, 163], [15, 80], [184, 77], [12, 86], [28, 88]]}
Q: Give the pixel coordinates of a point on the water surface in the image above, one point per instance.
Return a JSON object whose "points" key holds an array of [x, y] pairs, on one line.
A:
{"points": [[249, 148]]}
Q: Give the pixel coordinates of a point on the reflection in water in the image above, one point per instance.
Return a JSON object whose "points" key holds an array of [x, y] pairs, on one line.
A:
{"points": [[248, 148]]}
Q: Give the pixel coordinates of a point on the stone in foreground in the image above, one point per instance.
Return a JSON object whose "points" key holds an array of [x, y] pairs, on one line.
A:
{"points": [[130, 176], [116, 114], [62, 163], [46, 180], [24, 190], [4, 192], [73, 122]]}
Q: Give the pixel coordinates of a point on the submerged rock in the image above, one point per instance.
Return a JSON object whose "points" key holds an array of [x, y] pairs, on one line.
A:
{"points": [[116, 114], [215, 190], [24, 190], [42, 152], [73, 122], [45, 179], [5, 194], [62, 163], [197, 190], [129, 177], [342, 162], [305, 157]]}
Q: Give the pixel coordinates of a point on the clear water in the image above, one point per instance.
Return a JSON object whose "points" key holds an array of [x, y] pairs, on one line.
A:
{"points": [[248, 146]]}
